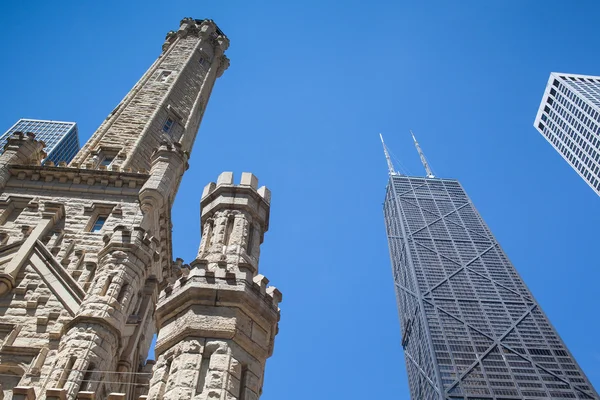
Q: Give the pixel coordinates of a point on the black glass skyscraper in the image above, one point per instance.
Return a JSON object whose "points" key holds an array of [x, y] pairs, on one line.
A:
{"points": [[470, 327]]}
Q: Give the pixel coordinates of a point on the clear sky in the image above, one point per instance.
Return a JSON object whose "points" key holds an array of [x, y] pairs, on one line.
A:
{"points": [[311, 84]]}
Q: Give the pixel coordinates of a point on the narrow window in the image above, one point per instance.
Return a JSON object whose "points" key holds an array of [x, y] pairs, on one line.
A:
{"points": [[204, 371], [12, 215], [91, 267], [86, 385], [250, 239], [66, 372], [123, 292], [164, 76], [209, 233], [99, 223], [107, 283], [168, 125], [106, 161], [243, 379], [228, 230]]}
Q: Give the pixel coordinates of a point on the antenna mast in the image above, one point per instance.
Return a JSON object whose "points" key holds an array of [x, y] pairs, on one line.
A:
{"points": [[423, 159], [391, 170]]}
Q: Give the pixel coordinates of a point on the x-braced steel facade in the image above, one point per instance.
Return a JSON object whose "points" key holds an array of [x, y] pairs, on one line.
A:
{"points": [[470, 327]]}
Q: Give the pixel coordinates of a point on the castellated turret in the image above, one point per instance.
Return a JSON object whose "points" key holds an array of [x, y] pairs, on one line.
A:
{"points": [[217, 319]]}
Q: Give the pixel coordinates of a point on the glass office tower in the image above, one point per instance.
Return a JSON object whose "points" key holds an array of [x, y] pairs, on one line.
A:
{"points": [[569, 118], [470, 327], [62, 141]]}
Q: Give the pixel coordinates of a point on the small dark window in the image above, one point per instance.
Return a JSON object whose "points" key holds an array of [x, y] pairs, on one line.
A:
{"points": [[164, 76], [541, 126], [550, 100], [553, 92], [547, 109], [168, 125], [99, 223], [202, 61], [544, 118], [107, 160], [555, 83]]}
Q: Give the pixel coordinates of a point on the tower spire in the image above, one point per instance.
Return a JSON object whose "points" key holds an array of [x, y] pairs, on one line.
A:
{"points": [[423, 159], [391, 170]]}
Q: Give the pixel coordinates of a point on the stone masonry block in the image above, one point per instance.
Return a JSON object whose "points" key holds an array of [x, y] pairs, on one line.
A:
{"points": [[56, 394], [208, 189], [226, 178], [249, 179], [219, 362], [265, 194]]}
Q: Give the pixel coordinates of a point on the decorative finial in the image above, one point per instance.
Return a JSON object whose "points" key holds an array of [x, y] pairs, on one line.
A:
{"points": [[423, 159], [391, 170]]}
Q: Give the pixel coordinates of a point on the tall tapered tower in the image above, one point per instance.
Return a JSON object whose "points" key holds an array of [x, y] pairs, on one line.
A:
{"points": [[86, 247], [470, 327], [218, 321]]}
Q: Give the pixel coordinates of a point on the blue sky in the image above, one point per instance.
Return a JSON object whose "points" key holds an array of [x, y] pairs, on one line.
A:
{"points": [[311, 84]]}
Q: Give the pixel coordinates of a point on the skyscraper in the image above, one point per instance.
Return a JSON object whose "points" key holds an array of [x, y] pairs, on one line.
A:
{"points": [[61, 139], [470, 327], [569, 118]]}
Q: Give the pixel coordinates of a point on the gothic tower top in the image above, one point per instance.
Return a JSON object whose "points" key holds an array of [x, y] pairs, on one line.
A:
{"points": [[166, 104]]}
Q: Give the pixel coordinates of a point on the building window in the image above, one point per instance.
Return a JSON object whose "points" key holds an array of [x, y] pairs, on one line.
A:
{"points": [[164, 76], [107, 160], [99, 223], [168, 125]]}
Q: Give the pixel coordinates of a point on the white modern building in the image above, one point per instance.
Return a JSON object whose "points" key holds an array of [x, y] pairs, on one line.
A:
{"points": [[569, 118]]}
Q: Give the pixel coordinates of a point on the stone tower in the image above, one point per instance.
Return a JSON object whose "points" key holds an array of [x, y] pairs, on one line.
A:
{"points": [[218, 321], [85, 248]]}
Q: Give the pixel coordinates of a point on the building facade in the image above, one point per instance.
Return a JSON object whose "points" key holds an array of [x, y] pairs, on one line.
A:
{"points": [[87, 273], [569, 119], [470, 327], [61, 138]]}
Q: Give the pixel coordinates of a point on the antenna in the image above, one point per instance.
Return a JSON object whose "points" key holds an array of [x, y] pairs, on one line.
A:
{"points": [[391, 170], [423, 159]]}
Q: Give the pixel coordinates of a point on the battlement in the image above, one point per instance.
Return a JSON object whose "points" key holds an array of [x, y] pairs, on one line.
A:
{"points": [[246, 196], [27, 142], [197, 27], [198, 271]]}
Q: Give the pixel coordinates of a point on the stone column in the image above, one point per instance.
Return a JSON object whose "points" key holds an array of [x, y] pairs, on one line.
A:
{"points": [[91, 345]]}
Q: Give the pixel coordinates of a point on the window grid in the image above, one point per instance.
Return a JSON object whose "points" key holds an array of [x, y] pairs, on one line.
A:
{"points": [[459, 295], [61, 138], [569, 118]]}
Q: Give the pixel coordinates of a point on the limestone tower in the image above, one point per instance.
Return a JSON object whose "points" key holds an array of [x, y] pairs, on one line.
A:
{"points": [[218, 321], [85, 248]]}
